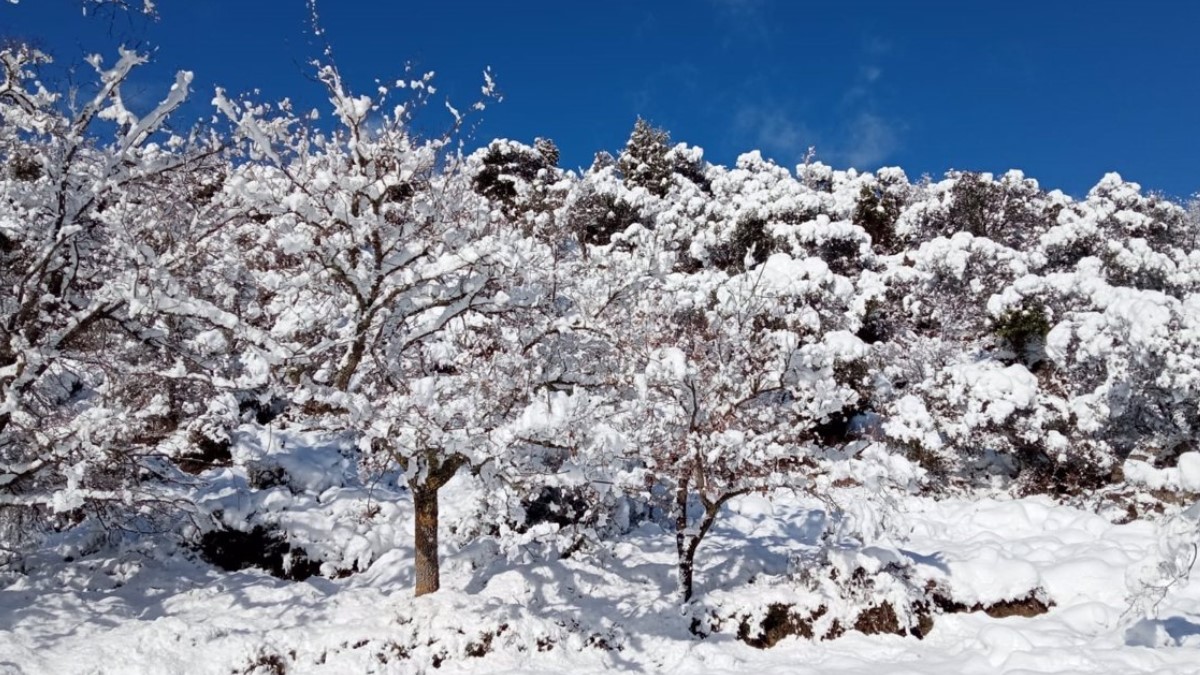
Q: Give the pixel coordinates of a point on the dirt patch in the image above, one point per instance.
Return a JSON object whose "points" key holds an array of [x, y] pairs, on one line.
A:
{"points": [[782, 621], [206, 453], [266, 663], [482, 646], [1027, 607], [879, 620], [1035, 603]]}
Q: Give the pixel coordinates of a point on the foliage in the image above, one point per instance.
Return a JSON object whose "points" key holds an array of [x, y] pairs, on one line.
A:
{"points": [[642, 342], [113, 343]]}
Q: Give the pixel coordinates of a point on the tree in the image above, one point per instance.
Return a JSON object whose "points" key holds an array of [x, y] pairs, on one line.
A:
{"points": [[643, 162], [725, 381], [514, 174], [408, 306], [109, 341], [880, 201]]}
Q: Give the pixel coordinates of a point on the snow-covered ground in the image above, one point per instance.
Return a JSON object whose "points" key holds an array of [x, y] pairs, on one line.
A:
{"points": [[614, 608]]}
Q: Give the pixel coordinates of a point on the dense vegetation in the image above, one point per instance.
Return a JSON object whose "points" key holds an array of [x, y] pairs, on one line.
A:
{"points": [[203, 333]]}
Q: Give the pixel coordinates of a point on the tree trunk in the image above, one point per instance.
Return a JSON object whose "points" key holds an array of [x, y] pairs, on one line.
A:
{"points": [[686, 554], [352, 360], [685, 545], [425, 522], [425, 539], [687, 566]]}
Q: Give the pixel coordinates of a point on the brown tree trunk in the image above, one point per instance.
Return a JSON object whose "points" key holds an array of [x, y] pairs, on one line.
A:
{"points": [[425, 539], [425, 522], [353, 359]]}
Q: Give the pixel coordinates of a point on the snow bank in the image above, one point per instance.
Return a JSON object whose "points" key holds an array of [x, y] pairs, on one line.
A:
{"points": [[614, 608]]}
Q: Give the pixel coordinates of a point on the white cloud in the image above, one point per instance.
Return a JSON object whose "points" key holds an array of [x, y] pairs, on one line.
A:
{"points": [[863, 140], [855, 130], [746, 19], [866, 137], [770, 128], [870, 140]]}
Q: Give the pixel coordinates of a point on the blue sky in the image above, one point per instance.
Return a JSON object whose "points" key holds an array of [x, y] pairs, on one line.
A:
{"points": [[1063, 90]]}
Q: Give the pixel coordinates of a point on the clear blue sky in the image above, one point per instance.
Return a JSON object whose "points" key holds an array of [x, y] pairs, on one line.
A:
{"points": [[1063, 90]]}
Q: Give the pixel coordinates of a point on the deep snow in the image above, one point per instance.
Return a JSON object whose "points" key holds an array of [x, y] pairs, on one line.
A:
{"points": [[614, 609]]}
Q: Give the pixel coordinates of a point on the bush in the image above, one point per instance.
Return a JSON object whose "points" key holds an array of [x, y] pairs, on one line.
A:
{"points": [[260, 548], [1023, 330]]}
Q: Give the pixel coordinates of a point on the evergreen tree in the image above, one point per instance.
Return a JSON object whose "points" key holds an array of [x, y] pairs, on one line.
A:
{"points": [[644, 161]]}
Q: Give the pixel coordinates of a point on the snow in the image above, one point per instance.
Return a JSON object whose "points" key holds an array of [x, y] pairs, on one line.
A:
{"points": [[1184, 476], [1189, 471], [613, 608], [995, 392], [747, 331]]}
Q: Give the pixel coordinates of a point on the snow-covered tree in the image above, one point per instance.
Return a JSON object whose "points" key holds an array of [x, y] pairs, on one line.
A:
{"points": [[111, 337], [720, 381], [408, 305], [521, 178]]}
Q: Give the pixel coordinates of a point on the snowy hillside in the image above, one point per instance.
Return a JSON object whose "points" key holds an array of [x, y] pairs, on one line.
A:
{"points": [[318, 391]]}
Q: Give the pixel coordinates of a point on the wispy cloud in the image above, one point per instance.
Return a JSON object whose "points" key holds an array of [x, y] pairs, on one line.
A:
{"points": [[863, 141], [867, 137], [870, 139], [849, 127], [775, 130], [876, 45], [747, 19]]}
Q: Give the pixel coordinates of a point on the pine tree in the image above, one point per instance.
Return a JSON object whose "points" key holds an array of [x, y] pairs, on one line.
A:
{"points": [[644, 162]]}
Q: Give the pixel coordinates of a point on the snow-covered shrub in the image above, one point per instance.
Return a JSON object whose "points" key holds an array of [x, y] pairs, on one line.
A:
{"points": [[758, 208], [832, 586], [524, 181], [869, 589], [881, 200], [1012, 211], [1141, 241], [601, 206], [945, 290]]}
